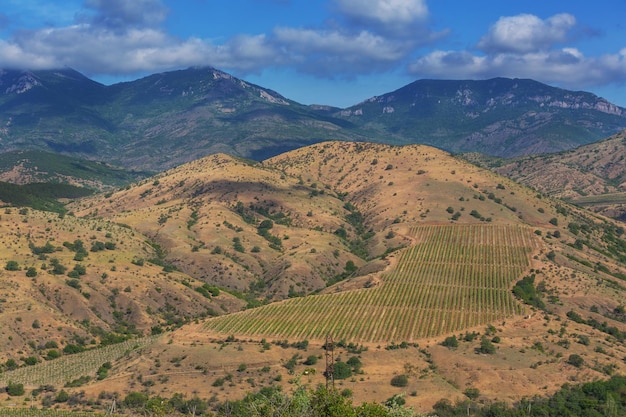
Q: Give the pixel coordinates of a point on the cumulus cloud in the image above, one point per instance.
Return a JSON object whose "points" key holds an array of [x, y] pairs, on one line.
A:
{"points": [[119, 37], [384, 11], [525, 46], [330, 53], [397, 18], [526, 33], [566, 67]]}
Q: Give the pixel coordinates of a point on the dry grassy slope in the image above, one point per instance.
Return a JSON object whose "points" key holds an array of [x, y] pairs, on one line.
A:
{"points": [[395, 187], [140, 294], [591, 170], [191, 211], [425, 182]]}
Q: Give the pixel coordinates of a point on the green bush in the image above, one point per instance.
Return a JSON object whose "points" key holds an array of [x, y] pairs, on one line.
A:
{"points": [[486, 346], [342, 370], [14, 389], [472, 393], [575, 360], [311, 360], [12, 266], [400, 381], [450, 342]]}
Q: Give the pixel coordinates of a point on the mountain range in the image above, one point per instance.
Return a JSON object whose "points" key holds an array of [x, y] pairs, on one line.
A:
{"points": [[166, 119]]}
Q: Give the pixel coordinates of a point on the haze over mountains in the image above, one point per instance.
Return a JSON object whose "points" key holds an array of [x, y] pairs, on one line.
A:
{"points": [[167, 119]]}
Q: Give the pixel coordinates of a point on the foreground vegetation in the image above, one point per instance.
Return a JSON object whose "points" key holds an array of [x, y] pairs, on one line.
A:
{"points": [[599, 398], [34, 412]]}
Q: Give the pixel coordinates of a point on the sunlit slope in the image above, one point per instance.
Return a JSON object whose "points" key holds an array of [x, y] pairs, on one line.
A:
{"points": [[453, 278]]}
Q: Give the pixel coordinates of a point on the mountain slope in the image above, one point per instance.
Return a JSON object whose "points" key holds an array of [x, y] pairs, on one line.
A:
{"points": [[170, 118], [326, 205], [593, 175], [324, 225], [31, 166], [86, 282], [500, 116], [155, 122]]}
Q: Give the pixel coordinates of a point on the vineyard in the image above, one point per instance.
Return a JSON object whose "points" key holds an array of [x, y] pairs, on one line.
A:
{"points": [[70, 367], [453, 278]]}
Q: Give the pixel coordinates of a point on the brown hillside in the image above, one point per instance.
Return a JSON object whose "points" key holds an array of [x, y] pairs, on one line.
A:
{"points": [[112, 295], [329, 204], [593, 175], [192, 211]]}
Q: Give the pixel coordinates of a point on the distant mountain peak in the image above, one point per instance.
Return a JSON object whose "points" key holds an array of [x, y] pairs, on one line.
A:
{"points": [[500, 116], [168, 118]]}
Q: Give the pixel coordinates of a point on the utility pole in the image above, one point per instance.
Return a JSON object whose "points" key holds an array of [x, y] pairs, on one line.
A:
{"points": [[330, 361]]}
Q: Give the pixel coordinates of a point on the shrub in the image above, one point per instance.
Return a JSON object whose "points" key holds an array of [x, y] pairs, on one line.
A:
{"points": [[97, 246], [14, 389], [10, 364], [450, 342], [57, 268], [486, 346], [311, 360], [30, 361], [355, 363], [400, 381], [135, 399], [575, 360], [342, 370], [53, 354], [12, 266], [472, 393]]}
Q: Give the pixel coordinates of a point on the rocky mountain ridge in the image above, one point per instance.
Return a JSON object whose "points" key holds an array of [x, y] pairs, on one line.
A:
{"points": [[167, 119], [499, 117]]}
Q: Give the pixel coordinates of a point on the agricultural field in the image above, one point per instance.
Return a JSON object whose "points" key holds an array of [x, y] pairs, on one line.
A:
{"points": [[71, 367], [453, 278]]}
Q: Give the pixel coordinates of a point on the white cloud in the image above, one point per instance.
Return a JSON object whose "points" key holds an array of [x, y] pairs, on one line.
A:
{"points": [[524, 46], [526, 33], [335, 53], [117, 37], [566, 67], [13, 56], [385, 11]]}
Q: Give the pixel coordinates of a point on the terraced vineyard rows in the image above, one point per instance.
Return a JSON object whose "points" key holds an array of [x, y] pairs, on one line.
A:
{"points": [[67, 368], [454, 277]]}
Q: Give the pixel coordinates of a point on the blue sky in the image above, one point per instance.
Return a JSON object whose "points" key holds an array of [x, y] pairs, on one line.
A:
{"points": [[336, 52]]}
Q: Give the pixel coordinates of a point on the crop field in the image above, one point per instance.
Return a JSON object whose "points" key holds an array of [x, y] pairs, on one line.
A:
{"points": [[70, 367], [454, 277]]}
